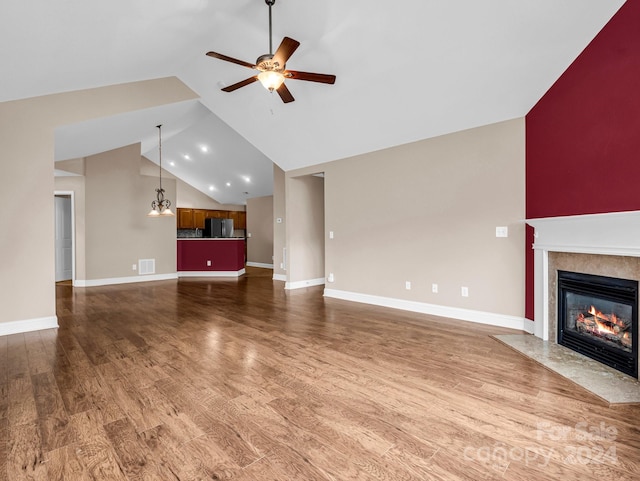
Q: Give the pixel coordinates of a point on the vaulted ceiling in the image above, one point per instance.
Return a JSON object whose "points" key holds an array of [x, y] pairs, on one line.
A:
{"points": [[406, 70]]}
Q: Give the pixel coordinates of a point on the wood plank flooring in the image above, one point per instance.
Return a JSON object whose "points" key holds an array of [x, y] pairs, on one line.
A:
{"points": [[237, 379]]}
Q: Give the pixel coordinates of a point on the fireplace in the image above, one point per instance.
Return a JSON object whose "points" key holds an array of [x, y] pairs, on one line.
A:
{"points": [[598, 317]]}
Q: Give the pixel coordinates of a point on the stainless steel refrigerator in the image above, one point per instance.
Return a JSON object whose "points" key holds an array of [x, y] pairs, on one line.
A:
{"points": [[218, 228]]}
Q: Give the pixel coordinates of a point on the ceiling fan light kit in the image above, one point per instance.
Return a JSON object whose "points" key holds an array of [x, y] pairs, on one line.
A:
{"points": [[271, 80], [272, 67]]}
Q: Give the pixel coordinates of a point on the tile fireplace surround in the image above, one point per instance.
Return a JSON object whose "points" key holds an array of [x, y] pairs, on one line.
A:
{"points": [[600, 244]]}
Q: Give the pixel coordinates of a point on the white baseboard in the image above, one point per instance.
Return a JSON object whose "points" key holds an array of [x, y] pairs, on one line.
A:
{"points": [[260, 264], [307, 283], [529, 326], [28, 325], [211, 273], [481, 317], [122, 280], [280, 277]]}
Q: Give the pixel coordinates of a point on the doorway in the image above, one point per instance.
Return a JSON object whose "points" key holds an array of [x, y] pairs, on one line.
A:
{"points": [[305, 240], [64, 237]]}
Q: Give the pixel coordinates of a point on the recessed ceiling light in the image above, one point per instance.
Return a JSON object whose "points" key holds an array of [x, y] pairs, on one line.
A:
{"points": [[186, 156], [228, 184], [172, 163], [212, 188], [204, 148], [246, 178]]}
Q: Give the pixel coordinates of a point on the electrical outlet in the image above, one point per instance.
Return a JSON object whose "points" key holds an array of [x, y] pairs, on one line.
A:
{"points": [[330, 234], [330, 278], [208, 263], [434, 288], [407, 285], [464, 291], [134, 267]]}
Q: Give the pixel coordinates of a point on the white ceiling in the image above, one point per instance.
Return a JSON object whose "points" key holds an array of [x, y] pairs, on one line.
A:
{"points": [[406, 70]]}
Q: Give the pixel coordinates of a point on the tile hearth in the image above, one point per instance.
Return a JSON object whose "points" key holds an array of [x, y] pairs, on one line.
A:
{"points": [[607, 383]]}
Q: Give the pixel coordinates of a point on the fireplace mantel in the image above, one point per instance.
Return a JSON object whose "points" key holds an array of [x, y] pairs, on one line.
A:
{"points": [[616, 234]]}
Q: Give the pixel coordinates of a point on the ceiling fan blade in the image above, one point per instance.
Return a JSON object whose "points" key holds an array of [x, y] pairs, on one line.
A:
{"points": [[312, 77], [284, 93], [236, 86], [230, 59], [285, 50]]}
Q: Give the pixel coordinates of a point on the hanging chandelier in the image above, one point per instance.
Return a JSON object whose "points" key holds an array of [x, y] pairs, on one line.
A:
{"points": [[160, 206]]}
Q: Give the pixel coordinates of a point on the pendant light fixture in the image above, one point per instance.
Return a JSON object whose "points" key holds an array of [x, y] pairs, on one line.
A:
{"points": [[160, 206]]}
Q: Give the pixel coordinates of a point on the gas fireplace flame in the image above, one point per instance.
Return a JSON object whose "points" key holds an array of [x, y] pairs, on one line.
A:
{"points": [[605, 317], [607, 326], [609, 318]]}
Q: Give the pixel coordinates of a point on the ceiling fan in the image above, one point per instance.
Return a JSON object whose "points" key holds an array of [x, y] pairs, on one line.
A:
{"points": [[272, 67]]}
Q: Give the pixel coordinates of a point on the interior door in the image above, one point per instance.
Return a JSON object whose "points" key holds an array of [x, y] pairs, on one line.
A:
{"points": [[64, 240]]}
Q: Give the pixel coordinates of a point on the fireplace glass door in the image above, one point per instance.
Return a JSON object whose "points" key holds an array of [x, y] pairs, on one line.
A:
{"points": [[597, 316]]}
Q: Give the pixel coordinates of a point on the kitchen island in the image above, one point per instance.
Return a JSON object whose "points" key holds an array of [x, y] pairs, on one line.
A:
{"points": [[211, 257]]}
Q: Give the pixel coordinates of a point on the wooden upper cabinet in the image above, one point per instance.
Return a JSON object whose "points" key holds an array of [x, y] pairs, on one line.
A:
{"points": [[194, 218], [239, 219], [198, 218], [216, 214], [185, 218]]}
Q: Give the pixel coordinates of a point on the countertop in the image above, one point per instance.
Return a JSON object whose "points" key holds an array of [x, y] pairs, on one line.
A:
{"points": [[210, 238]]}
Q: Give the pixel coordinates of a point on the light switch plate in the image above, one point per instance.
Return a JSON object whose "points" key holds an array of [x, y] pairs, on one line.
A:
{"points": [[502, 231]]}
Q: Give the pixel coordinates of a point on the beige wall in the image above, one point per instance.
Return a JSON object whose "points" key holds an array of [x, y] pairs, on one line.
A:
{"points": [[305, 228], [75, 166], [279, 228], [27, 280], [426, 212], [127, 179], [260, 228], [118, 231]]}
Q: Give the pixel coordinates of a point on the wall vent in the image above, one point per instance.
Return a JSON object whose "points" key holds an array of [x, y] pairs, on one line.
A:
{"points": [[146, 266]]}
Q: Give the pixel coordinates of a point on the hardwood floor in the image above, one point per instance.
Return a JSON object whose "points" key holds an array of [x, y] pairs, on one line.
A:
{"points": [[216, 379]]}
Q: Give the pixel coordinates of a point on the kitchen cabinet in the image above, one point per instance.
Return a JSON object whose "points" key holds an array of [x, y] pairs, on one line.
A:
{"points": [[185, 218], [191, 218], [194, 218], [198, 218], [239, 219], [217, 214]]}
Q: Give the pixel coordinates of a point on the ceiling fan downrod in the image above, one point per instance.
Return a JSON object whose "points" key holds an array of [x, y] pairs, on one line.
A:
{"points": [[270, 3]]}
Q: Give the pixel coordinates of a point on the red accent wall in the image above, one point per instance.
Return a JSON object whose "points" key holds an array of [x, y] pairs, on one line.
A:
{"points": [[224, 254], [528, 283], [583, 136]]}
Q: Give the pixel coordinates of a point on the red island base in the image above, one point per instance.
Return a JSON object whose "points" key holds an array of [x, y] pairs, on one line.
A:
{"points": [[210, 257]]}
